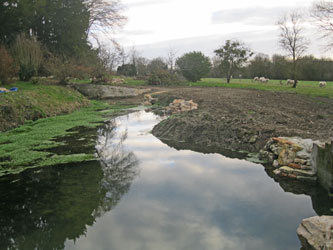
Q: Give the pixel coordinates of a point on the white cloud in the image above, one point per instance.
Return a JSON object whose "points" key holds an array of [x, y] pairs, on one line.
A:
{"points": [[186, 25]]}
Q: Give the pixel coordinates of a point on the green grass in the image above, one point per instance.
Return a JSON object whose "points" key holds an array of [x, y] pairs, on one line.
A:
{"points": [[33, 101], [308, 88], [133, 82], [19, 148]]}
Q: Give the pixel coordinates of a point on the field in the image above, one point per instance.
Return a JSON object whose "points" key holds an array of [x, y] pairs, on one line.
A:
{"points": [[308, 88]]}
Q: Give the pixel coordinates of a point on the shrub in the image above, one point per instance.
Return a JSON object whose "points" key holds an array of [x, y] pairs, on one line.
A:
{"points": [[7, 68], [28, 55], [194, 65], [156, 65], [163, 77], [127, 70], [61, 68]]}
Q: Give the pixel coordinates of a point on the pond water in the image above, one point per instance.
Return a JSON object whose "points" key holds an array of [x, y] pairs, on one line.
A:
{"points": [[147, 195]]}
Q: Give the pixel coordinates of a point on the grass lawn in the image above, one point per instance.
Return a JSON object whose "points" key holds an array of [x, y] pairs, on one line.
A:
{"points": [[308, 88]]}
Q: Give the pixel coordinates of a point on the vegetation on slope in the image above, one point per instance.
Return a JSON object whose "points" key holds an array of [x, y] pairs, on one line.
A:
{"points": [[34, 101], [31, 144]]}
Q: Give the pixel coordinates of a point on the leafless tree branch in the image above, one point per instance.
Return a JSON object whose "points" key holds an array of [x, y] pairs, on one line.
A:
{"points": [[322, 14]]}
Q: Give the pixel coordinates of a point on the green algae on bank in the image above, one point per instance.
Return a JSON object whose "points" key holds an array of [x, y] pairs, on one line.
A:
{"points": [[27, 146]]}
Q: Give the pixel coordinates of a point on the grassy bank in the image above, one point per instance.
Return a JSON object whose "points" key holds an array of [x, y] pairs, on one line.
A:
{"points": [[34, 101], [28, 146]]}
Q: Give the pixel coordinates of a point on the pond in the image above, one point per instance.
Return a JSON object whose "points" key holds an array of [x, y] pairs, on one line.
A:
{"points": [[144, 194]]}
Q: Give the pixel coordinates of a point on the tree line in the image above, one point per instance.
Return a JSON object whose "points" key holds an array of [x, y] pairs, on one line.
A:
{"points": [[54, 36]]}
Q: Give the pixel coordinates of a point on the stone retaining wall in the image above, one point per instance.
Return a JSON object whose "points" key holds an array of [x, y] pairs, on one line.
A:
{"points": [[323, 159], [96, 91], [301, 159]]}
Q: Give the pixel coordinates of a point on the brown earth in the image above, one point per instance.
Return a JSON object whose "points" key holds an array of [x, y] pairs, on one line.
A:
{"points": [[243, 119]]}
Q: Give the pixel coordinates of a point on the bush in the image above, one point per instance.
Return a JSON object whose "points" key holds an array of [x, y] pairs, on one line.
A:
{"points": [[7, 68], [127, 70], [163, 77], [194, 65], [28, 55], [61, 68]]}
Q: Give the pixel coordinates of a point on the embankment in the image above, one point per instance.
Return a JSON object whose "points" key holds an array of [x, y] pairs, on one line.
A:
{"points": [[244, 119], [34, 101]]}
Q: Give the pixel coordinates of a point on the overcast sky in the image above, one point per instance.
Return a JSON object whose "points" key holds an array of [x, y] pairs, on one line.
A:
{"points": [[154, 26]]}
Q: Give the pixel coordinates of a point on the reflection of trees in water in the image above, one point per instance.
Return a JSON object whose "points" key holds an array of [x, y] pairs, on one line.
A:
{"points": [[119, 166], [42, 209]]}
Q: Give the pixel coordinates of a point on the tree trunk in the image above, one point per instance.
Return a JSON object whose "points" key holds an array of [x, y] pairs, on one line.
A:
{"points": [[294, 72], [228, 79]]}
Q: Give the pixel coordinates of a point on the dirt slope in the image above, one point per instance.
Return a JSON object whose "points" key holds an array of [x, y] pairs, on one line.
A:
{"points": [[241, 119]]}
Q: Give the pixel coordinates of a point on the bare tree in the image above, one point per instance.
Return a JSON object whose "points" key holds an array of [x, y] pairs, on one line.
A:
{"points": [[105, 16], [292, 39], [123, 55], [114, 57], [171, 58], [322, 13], [133, 55]]}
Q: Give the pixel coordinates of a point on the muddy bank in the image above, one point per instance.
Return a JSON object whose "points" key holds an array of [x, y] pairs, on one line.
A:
{"points": [[242, 119]]}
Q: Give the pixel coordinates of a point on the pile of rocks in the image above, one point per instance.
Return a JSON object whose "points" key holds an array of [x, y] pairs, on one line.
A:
{"points": [[149, 100], [180, 105], [292, 157], [316, 233]]}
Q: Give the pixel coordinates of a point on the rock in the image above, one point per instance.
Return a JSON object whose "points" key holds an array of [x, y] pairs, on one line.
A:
{"points": [[96, 91], [275, 149], [316, 233], [297, 147], [295, 166], [307, 179], [270, 157], [253, 139], [282, 140], [305, 167], [286, 156], [292, 176], [268, 144], [300, 161], [277, 171], [180, 105], [303, 154], [276, 164], [149, 100], [298, 172]]}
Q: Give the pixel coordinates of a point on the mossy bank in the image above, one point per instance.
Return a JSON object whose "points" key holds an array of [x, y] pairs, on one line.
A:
{"points": [[50, 141], [56, 139]]}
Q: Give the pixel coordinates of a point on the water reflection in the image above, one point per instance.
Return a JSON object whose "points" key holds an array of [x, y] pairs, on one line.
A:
{"points": [[41, 209], [175, 199], [322, 202], [189, 200]]}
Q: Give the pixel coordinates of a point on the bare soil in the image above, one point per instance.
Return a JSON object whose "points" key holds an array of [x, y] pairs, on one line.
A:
{"points": [[244, 119]]}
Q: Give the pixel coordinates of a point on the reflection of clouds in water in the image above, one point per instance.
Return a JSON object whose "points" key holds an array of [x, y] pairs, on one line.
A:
{"points": [[188, 200]]}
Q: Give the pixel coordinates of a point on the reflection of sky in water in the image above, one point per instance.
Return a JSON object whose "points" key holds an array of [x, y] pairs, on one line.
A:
{"points": [[188, 200]]}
